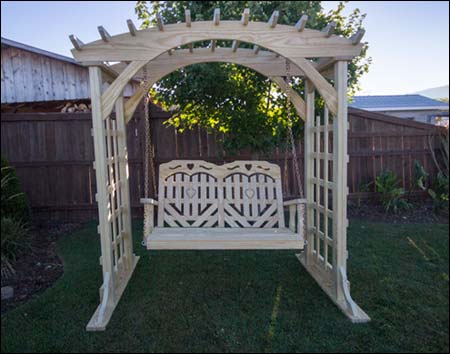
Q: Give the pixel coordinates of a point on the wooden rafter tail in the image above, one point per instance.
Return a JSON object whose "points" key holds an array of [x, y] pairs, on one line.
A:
{"points": [[329, 29], [212, 45], [77, 44], [216, 17], [245, 17], [300, 25], [256, 49], [235, 46], [159, 22], [187, 17], [103, 33], [131, 27], [358, 36], [274, 19]]}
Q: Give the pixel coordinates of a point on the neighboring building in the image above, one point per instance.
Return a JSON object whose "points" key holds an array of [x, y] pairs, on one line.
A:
{"points": [[31, 75], [414, 107]]}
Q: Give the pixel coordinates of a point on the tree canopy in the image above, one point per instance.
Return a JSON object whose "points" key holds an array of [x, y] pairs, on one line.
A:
{"points": [[222, 97]]}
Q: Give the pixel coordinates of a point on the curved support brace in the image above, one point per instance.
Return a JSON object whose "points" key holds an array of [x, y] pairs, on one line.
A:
{"points": [[298, 102], [109, 97], [327, 91]]}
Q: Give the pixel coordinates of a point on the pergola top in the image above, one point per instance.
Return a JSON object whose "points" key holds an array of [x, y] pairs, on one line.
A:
{"points": [[288, 41]]}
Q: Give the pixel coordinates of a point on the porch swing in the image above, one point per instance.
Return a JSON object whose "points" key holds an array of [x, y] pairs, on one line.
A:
{"points": [[238, 205]]}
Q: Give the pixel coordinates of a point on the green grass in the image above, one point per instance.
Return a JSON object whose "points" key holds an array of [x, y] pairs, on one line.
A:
{"points": [[263, 301]]}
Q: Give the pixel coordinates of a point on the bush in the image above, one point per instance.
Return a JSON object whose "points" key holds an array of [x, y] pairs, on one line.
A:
{"points": [[14, 243], [439, 192], [392, 197], [14, 202]]}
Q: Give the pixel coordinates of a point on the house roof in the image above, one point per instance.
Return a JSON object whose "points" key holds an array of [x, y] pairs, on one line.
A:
{"points": [[10, 43], [397, 103]]}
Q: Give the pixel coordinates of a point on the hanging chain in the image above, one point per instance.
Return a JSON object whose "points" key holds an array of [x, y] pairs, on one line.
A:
{"points": [[290, 133], [149, 166]]}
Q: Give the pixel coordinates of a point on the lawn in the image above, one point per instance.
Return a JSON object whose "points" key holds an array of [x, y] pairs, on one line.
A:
{"points": [[247, 301]]}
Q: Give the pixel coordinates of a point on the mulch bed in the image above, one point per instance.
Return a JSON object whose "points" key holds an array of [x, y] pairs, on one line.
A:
{"points": [[40, 268], [420, 213]]}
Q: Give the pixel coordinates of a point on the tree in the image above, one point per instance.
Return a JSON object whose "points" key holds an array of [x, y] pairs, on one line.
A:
{"points": [[235, 100]]}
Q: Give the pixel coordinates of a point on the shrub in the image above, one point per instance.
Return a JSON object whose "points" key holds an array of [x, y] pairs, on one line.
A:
{"points": [[439, 192], [392, 197], [14, 243], [13, 203]]}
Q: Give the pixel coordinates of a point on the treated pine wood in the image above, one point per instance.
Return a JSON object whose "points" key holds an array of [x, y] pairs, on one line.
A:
{"points": [[329, 29], [103, 33], [235, 46], [358, 36], [77, 44], [245, 17], [283, 39], [159, 22], [274, 19], [216, 17], [301, 23], [187, 17], [223, 239], [131, 27]]}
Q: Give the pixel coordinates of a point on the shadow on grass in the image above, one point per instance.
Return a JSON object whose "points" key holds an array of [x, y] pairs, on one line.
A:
{"points": [[246, 301]]}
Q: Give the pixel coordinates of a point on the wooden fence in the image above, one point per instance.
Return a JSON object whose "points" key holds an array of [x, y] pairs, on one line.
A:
{"points": [[53, 155]]}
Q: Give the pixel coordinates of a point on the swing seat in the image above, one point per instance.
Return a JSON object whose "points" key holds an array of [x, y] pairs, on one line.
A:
{"points": [[239, 205]]}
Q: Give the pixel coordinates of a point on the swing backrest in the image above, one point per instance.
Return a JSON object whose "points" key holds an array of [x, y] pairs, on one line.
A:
{"points": [[195, 193]]}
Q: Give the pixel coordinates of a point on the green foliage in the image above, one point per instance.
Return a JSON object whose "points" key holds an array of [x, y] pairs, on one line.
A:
{"points": [[13, 241], [13, 203], [420, 175], [392, 197], [230, 99], [439, 192]]}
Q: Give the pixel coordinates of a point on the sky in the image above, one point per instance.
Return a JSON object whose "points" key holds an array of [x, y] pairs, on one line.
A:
{"points": [[408, 40]]}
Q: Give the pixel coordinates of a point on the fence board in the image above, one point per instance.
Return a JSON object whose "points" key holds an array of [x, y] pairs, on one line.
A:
{"points": [[53, 156]]}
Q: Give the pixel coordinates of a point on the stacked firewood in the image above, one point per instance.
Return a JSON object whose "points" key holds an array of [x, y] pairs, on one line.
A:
{"points": [[71, 107]]}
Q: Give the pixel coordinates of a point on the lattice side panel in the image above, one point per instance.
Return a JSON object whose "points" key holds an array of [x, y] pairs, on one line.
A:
{"points": [[251, 200], [115, 217], [322, 237], [190, 200]]}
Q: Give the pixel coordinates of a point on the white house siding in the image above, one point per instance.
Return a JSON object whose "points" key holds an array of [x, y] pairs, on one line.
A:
{"points": [[425, 116]]}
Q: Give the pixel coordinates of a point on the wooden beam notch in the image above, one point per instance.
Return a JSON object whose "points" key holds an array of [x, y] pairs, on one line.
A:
{"points": [[256, 49], [357, 37], [235, 46], [274, 19], [77, 44], [187, 17], [191, 47], [216, 17], [131, 27], [212, 45], [245, 17], [300, 25], [159, 22], [329, 29]]}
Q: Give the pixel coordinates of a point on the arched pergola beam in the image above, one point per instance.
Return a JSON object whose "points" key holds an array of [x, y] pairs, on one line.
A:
{"points": [[284, 40], [166, 64]]}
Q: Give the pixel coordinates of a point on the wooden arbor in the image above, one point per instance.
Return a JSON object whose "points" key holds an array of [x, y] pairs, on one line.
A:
{"points": [[166, 48]]}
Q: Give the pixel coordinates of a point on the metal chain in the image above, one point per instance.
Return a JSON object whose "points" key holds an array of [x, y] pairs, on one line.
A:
{"points": [[149, 166], [290, 133]]}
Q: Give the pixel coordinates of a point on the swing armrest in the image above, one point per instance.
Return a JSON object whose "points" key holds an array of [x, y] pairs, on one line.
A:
{"points": [[294, 202], [150, 201]]}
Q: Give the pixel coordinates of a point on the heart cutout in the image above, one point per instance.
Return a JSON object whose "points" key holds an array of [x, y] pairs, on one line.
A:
{"points": [[190, 166], [248, 167], [190, 192], [249, 193]]}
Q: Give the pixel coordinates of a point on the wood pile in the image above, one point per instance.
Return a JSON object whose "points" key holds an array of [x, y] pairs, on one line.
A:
{"points": [[70, 107]]}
